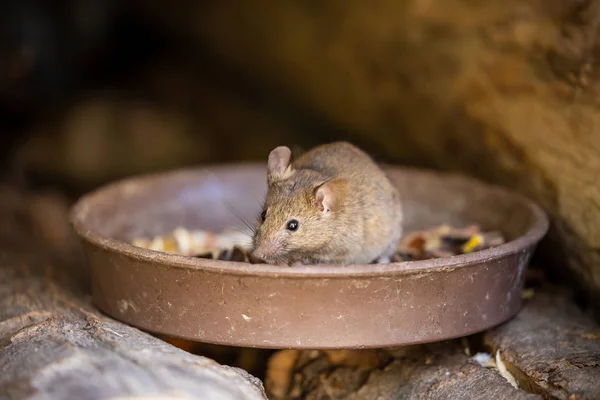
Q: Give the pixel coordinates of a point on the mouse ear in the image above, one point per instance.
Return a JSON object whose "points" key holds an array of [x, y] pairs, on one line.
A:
{"points": [[279, 166], [331, 195]]}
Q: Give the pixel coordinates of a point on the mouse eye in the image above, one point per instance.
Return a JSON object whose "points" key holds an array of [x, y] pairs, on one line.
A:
{"points": [[292, 225], [263, 215]]}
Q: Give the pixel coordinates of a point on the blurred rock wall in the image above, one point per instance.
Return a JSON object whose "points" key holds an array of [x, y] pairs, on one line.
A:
{"points": [[506, 91]]}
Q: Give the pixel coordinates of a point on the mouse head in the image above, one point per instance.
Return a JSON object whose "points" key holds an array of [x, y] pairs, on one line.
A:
{"points": [[300, 213]]}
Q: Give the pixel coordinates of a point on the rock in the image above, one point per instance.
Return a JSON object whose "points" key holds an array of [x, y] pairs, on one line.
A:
{"points": [[506, 91]]}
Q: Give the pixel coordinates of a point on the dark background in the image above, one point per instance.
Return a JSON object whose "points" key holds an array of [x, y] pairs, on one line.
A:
{"points": [[92, 91]]}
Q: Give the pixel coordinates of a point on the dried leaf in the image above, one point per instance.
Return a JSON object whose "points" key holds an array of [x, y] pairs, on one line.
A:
{"points": [[504, 372]]}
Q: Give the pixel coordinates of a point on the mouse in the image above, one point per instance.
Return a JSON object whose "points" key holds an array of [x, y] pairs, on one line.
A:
{"points": [[331, 205]]}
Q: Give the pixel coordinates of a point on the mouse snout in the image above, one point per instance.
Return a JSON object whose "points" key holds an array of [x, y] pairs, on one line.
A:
{"points": [[266, 249]]}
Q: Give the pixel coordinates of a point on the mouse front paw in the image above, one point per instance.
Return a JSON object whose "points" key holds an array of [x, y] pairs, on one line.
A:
{"points": [[383, 260], [297, 264]]}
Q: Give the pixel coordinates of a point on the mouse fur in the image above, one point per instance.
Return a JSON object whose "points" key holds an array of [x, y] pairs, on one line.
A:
{"points": [[346, 209]]}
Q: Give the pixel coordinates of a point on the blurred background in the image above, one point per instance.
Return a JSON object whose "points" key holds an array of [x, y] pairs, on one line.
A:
{"points": [[506, 91], [97, 90]]}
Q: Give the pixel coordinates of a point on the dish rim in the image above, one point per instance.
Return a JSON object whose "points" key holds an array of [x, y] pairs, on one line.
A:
{"points": [[84, 207]]}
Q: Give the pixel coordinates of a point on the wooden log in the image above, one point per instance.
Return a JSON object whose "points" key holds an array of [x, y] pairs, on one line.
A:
{"points": [[550, 351], [505, 90], [440, 371], [55, 345], [551, 348]]}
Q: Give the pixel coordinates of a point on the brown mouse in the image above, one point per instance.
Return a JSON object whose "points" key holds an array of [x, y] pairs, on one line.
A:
{"points": [[332, 205]]}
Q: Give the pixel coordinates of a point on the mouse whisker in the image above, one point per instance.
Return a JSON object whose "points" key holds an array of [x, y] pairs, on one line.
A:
{"points": [[243, 230], [251, 230]]}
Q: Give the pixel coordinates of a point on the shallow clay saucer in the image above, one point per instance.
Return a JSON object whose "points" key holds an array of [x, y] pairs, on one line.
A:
{"points": [[258, 305]]}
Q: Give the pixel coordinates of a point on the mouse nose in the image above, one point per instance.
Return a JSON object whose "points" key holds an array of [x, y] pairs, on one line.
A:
{"points": [[266, 250]]}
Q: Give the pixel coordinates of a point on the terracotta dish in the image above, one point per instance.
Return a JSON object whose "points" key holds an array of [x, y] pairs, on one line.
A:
{"points": [[257, 305]]}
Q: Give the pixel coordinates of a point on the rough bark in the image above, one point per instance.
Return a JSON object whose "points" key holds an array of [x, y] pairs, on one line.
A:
{"points": [[55, 345], [551, 350], [506, 90], [440, 371]]}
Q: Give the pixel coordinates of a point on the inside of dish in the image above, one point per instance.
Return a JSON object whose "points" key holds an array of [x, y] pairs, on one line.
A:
{"points": [[204, 212]]}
